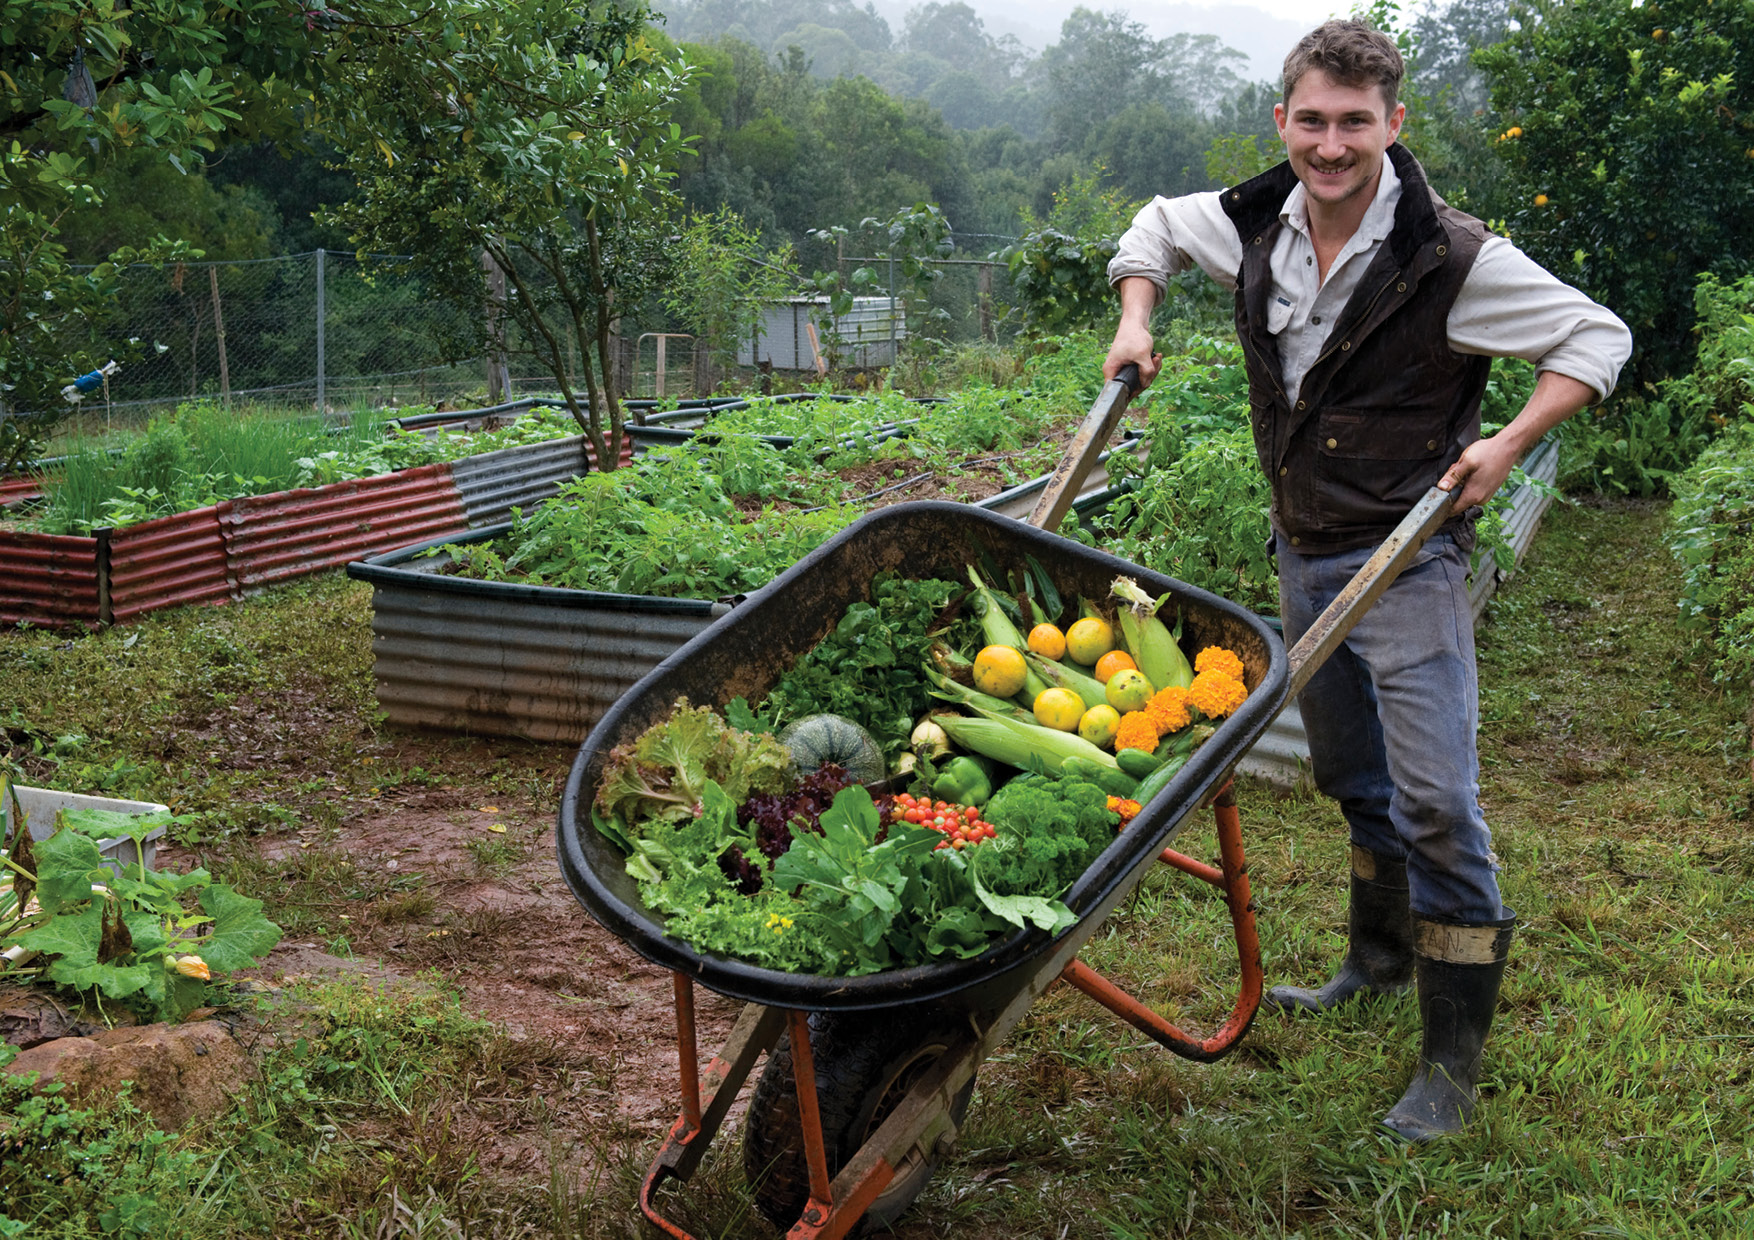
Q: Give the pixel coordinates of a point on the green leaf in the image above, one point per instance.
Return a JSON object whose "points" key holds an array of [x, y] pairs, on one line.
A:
{"points": [[67, 864], [72, 937], [240, 934]]}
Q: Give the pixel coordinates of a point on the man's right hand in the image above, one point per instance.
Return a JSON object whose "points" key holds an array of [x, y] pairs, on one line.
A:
{"points": [[1133, 338]]}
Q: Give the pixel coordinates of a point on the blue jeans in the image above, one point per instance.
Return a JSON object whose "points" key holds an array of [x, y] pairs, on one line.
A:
{"points": [[1391, 718]]}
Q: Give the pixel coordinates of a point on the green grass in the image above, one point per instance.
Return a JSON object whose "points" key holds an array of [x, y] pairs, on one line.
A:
{"points": [[1618, 1081]]}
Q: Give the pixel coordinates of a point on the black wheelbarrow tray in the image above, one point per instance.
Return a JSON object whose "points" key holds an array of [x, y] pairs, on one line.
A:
{"points": [[877, 1086]]}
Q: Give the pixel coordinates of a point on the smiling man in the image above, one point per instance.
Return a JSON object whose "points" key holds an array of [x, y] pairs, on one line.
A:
{"points": [[1369, 311]]}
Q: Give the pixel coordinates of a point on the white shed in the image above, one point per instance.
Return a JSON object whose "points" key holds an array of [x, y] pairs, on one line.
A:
{"points": [[869, 332]]}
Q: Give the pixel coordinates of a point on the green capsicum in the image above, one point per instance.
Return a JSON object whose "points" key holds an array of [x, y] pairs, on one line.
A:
{"points": [[966, 779]]}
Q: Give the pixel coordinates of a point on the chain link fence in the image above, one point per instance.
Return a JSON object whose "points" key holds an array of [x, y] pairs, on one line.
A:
{"points": [[325, 330]]}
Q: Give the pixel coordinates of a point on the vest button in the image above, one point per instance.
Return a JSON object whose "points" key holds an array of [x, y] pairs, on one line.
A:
{"points": [[1296, 541], [1333, 443], [1344, 345], [1257, 241], [1236, 198], [1301, 404], [1401, 287], [1442, 250], [1283, 470], [1431, 445]]}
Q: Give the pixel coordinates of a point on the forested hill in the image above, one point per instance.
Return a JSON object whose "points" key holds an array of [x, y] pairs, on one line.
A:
{"points": [[813, 113]]}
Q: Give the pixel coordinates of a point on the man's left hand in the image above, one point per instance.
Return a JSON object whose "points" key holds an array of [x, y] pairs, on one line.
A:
{"points": [[1480, 471]]}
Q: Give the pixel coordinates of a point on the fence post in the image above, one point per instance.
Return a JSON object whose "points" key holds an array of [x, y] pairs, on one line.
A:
{"points": [[218, 335], [499, 374], [985, 299], [322, 373]]}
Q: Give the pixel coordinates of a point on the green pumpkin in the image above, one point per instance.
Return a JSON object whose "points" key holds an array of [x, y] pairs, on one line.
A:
{"points": [[818, 739]]}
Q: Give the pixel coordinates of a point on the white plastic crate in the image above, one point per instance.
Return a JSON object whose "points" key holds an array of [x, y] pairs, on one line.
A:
{"points": [[41, 805]]}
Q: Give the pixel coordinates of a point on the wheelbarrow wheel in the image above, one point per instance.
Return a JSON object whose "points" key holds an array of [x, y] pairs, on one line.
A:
{"points": [[865, 1064]]}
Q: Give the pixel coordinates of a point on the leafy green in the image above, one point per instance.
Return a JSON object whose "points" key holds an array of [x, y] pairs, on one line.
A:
{"points": [[663, 774], [870, 668], [1049, 831]]}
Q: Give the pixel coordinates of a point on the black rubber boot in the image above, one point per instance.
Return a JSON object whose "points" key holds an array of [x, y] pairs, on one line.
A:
{"points": [[1379, 954], [1460, 968]]}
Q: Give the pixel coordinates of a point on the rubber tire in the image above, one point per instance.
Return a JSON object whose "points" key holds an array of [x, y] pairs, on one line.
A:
{"points": [[865, 1063]]}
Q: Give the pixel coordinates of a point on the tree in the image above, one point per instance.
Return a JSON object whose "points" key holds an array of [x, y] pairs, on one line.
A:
{"points": [[86, 82], [1627, 137], [540, 135]]}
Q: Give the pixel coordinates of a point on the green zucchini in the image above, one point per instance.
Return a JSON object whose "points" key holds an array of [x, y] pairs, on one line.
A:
{"points": [[1158, 780], [1111, 779], [1136, 762]]}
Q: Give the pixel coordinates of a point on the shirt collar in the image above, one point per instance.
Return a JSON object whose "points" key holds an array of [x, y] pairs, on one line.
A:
{"points": [[1379, 217]]}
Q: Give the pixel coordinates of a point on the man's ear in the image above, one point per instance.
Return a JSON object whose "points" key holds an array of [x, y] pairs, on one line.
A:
{"points": [[1279, 119], [1395, 119]]}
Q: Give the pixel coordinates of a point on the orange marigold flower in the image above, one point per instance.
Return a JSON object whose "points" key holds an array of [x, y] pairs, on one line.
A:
{"points": [[1128, 810], [1218, 659], [1136, 732], [1215, 695], [1168, 710]]}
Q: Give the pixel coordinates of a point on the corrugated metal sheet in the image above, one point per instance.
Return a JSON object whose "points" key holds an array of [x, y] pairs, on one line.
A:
{"points": [[506, 660], [494, 483], [48, 579], [167, 562], [275, 537], [865, 331], [13, 490]]}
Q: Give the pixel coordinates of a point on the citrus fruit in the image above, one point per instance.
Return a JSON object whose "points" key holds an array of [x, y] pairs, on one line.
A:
{"points": [[1128, 690], [999, 670], [1112, 662], [1047, 641], [1098, 725], [1060, 709], [1089, 639]]}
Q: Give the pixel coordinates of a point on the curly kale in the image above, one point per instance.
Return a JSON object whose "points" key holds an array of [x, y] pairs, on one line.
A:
{"points": [[1049, 831]]}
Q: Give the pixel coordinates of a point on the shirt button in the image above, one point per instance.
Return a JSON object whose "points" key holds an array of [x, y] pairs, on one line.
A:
{"points": [[1309, 260], [1333, 443], [1316, 319]]}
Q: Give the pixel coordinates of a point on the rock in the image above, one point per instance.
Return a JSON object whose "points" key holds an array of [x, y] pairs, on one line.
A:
{"points": [[180, 1073]]}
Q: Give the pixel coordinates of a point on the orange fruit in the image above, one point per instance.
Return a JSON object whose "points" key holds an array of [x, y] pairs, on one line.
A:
{"points": [[1099, 724], [1089, 639], [999, 670], [1047, 641], [1129, 690], [1059, 709], [1112, 662]]}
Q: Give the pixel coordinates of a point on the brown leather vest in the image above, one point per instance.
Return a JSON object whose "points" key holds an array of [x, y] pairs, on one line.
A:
{"points": [[1388, 405]]}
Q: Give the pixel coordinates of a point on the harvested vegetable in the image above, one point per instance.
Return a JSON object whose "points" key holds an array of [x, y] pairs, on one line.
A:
{"points": [[965, 780], [1151, 644], [663, 774], [1027, 746], [817, 740]]}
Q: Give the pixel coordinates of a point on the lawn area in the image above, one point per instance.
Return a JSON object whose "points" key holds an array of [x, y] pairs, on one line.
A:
{"points": [[517, 1084]]}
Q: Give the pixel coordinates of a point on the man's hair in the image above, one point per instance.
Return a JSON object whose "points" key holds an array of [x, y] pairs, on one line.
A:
{"points": [[1352, 54]]}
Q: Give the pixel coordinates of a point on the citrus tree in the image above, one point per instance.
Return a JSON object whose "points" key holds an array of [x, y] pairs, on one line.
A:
{"points": [[538, 134], [1627, 137]]}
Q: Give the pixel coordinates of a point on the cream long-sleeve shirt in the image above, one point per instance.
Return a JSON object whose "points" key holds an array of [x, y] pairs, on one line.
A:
{"points": [[1509, 306]]}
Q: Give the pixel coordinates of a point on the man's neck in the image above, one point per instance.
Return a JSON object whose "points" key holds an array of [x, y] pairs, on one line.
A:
{"points": [[1331, 225]]}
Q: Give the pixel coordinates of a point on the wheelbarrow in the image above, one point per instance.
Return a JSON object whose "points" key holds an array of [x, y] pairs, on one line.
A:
{"points": [[867, 1079]]}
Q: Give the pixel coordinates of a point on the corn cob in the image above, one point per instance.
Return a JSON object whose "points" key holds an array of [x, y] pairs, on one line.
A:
{"points": [[1152, 645], [1088, 688], [953, 691], [1027, 746]]}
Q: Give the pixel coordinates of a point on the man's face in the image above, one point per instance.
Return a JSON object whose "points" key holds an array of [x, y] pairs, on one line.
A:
{"points": [[1335, 137]]}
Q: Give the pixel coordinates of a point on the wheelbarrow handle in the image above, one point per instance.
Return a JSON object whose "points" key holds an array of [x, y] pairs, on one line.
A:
{"points": [[1367, 585], [1086, 446]]}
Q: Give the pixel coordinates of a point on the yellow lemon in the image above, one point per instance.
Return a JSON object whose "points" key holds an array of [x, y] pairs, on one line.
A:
{"points": [[1059, 709], [1047, 641], [1112, 662], [999, 670], [1128, 689], [1099, 724], [1089, 639]]}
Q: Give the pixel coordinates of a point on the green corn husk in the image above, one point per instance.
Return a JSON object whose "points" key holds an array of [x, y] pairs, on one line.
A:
{"points": [[954, 691], [1152, 646], [1088, 688], [1026, 746], [999, 631]]}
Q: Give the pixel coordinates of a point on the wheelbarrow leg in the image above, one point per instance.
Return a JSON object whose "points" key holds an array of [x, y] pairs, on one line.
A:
{"points": [[756, 1031], [1233, 880]]}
